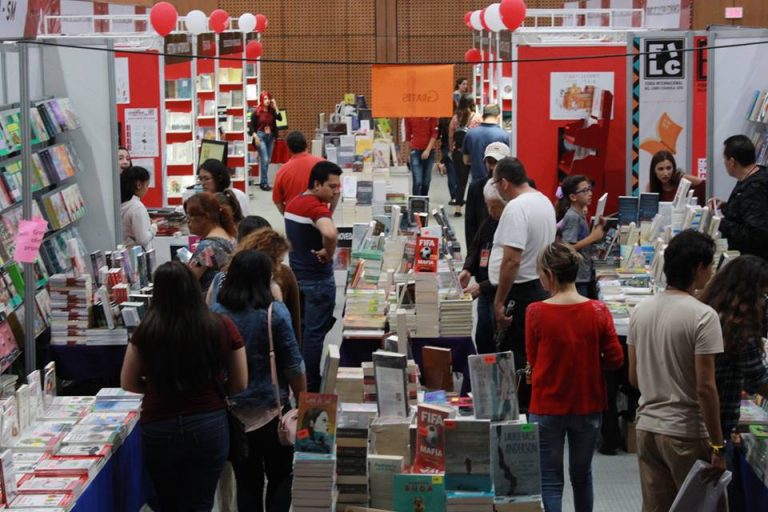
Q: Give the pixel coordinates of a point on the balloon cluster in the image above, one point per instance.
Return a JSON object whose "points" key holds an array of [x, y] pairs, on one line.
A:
{"points": [[504, 15], [163, 18]]}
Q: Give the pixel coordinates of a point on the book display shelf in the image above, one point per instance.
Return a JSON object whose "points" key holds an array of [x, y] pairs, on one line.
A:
{"points": [[56, 198], [757, 116], [180, 110]]}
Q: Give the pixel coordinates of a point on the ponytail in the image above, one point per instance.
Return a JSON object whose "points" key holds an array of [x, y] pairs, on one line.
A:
{"points": [[228, 198]]}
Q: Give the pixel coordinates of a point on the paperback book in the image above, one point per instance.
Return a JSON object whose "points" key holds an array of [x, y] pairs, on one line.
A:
{"points": [[515, 462], [430, 438], [419, 493], [316, 429], [468, 461], [493, 386]]}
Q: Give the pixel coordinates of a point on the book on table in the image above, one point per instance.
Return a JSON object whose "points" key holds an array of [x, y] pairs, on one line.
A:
{"points": [[494, 388], [316, 428]]}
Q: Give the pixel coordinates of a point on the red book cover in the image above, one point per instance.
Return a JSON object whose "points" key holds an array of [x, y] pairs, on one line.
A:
{"points": [[430, 438], [427, 253]]}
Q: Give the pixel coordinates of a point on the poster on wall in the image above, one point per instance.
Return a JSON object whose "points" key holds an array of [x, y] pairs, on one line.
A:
{"points": [[665, 14], [141, 132], [122, 82], [663, 99], [570, 94], [14, 15], [149, 165]]}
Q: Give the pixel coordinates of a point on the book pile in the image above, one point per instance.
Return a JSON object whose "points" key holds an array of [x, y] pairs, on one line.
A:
{"points": [[393, 253], [455, 315], [365, 313], [71, 301], [314, 462], [366, 265], [427, 309], [349, 384], [351, 452], [117, 400], [391, 436], [117, 336]]}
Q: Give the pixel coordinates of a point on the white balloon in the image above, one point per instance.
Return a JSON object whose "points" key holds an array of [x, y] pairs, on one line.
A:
{"points": [[474, 20], [246, 22], [493, 18], [196, 21]]}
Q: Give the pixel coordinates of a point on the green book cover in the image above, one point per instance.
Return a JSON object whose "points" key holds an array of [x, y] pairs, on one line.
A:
{"points": [[418, 493]]}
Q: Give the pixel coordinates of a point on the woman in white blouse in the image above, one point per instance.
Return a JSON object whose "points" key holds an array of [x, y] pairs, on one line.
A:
{"points": [[137, 228]]}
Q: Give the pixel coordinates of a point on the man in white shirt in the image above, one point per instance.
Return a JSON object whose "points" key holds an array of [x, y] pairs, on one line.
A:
{"points": [[526, 227]]}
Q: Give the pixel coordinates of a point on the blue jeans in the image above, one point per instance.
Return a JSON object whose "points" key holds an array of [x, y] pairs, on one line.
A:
{"points": [[184, 457], [485, 333], [265, 155], [318, 301], [582, 432], [422, 172]]}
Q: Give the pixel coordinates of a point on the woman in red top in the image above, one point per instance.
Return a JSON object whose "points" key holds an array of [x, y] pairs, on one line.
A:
{"points": [[178, 358], [263, 129], [569, 341]]}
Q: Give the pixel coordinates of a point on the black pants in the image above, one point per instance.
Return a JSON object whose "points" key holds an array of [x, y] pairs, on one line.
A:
{"points": [[514, 337], [268, 457], [462, 177]]}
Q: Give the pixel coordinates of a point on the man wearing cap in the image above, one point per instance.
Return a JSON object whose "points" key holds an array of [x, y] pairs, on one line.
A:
{"points": [[476, 209], [478, 138]]}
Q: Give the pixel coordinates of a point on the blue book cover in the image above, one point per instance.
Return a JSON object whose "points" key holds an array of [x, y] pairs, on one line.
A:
{"points": [[649, 205], [468, 458], [629, 209], [418, 493]]}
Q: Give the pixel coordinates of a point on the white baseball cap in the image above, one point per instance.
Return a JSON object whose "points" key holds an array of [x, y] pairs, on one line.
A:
{"points": [[497, 151]]}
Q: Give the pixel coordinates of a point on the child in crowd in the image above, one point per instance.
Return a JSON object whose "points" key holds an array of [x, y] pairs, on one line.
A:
{"points": [[573, 226]]}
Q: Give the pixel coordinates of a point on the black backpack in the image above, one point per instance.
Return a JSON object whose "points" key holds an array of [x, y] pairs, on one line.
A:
{"points": [[458, 136]]}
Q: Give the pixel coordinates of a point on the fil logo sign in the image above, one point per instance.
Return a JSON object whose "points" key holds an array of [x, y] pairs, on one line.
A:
{"points": [[664, 59]]}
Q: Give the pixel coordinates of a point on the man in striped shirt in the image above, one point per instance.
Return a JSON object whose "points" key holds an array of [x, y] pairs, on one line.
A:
{"points": [[310, 229]]}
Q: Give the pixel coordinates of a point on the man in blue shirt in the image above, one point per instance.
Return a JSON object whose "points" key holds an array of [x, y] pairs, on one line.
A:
{"points": [[478, 138]]}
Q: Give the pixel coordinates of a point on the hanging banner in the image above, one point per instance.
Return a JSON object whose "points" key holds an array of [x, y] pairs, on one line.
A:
{"points": [[13, 16], [699, 128], [206, 44], [230, 42], [660, 112], [177, 48], [412, 91]]}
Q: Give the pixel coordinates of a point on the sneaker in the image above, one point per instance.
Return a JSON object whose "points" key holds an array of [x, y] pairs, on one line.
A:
{"points": [[265, 188], [457, 214], [452, 202]]}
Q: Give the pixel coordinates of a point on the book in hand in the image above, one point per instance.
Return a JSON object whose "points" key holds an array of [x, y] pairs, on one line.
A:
{"points": [[418, 493], [391, 384], [494, 390], [468, 459], [316, 429], [430, 438], [515, 461]]}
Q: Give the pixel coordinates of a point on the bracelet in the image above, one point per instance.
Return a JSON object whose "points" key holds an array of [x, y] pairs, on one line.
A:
{"points": [[717, 448]]}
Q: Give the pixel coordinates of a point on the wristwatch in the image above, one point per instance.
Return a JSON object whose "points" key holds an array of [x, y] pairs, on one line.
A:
{"points": [[717, 449]]}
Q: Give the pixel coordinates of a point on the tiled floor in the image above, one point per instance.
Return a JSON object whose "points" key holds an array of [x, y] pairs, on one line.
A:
{"points": [[615, 478]]}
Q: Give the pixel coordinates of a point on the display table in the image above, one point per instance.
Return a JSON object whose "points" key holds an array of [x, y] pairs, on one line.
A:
{"points": [[353, 352], [121, 485], [755, 490], [84, 362]]}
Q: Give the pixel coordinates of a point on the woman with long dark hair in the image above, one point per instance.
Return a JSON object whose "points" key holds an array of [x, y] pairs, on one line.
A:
{"points": [[213, 223], [246, 298], [178, 357], [137, 226], [464, 119], [664, 176]]}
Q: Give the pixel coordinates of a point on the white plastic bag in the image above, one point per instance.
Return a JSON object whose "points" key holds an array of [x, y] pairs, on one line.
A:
{"points": [[698, 495]]}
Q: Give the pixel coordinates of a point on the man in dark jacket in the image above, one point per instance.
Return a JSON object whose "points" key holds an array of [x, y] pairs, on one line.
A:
{"points": [[745, 216], [476, 209], [476, 265]]}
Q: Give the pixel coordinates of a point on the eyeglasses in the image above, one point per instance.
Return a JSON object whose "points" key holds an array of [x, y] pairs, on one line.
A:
{"points": [[496, 181], [584, 190]]}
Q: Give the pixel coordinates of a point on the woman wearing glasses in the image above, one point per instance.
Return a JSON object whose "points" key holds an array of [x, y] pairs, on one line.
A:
{"points": [[574, 229], [214, 177]]}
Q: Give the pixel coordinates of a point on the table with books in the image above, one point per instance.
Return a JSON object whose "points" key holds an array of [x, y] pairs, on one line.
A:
{"points": [[80, 453], [751, 454]]}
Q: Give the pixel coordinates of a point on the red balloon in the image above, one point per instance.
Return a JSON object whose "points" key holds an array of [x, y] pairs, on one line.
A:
{"points": [[512, 13], [261, 23], [482, 20], [473, 56], [466, 19], [218, 20], [163, 18], [253, 50]]}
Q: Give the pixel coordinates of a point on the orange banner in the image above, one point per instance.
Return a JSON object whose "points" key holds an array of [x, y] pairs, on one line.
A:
{"points": [[412, 91]]}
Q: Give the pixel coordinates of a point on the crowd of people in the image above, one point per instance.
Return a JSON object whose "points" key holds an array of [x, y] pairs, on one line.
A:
{"points": [[691, 348]]}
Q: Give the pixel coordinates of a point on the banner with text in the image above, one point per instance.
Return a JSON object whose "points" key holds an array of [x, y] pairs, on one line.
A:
{"points": [[661, 112], [412, 91]]}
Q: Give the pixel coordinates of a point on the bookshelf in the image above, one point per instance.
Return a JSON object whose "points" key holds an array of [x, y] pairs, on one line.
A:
{"points": [[56, 197], [757, 115], [231, 103]]}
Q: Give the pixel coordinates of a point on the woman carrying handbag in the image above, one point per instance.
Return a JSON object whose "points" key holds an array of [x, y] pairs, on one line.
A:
{"points": [[274, 363]]}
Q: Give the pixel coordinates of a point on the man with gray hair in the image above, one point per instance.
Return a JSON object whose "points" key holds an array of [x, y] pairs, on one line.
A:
{"points": [[476, 265], [476, 210]]}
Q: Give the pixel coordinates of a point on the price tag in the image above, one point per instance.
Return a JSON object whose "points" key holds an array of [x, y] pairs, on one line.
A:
{"points": [[527, 427], [437, 480], [302, 434], [423, 432], [489, 359], [449, 424]]}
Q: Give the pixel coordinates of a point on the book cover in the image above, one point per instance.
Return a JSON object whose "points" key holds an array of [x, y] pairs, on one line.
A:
{"points": [[83, 450], [437, 368], [47, 500], [75, 467], [515, 462], [92, 434], [629, 209], [493, 386], [35, 383], [32, 484], [330, 368], [7, 477], [316, 428], [468, 460], [649, 205], [391, 384], [11, 429], [24, 407], [381, 474], [427, 254], [418, 493], [430, 438]]}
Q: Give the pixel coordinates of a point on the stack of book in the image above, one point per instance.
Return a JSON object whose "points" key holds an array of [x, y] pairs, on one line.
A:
{"points": [[71, 301], [99, 337], [351, 452], [427, 309], [391, 436], [455, 315], [349, 384], [314, 462], [366, 267], [365, 313], [117, 400]]}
